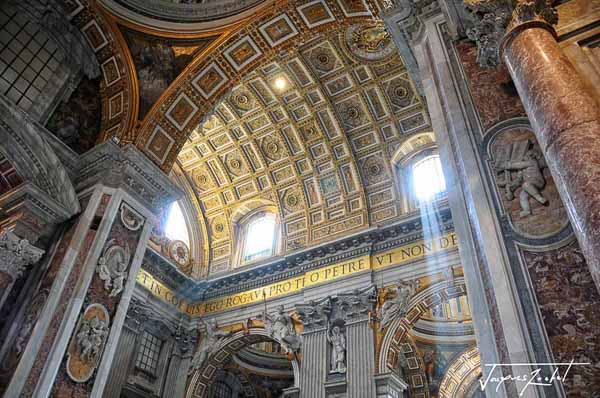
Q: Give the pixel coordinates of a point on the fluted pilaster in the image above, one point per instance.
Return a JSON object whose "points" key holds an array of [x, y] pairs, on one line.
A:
{"points": [[314, 365], [120, 366], [361, 360]]}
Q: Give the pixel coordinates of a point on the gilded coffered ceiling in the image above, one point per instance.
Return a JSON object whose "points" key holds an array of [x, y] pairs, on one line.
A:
{"points": [[312, 134]]}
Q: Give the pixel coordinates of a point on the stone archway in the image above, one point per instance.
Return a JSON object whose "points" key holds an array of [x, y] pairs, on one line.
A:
{"points": [[396, 341], [462, 373], [419, 305], [201, 380]]}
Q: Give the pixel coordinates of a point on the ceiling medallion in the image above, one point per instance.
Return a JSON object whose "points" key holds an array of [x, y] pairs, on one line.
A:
{"points": [[369, 42]]}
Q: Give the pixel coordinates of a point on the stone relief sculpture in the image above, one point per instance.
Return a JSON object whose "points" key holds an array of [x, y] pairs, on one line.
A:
{"points": [[112, 267], [521, 165], [130, 218], [337, 339], [213, 335], [397, 307], [90, 338], [280, 327], [87, 343]]}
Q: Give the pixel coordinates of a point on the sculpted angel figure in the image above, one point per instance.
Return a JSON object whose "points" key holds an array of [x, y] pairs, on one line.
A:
{"points": [[397, 307], [212, 337], [280, 327], [336, 338]]}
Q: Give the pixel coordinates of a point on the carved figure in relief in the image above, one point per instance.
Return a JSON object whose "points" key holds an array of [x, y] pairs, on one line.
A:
{"points": [[90, 338], [397, 307], [336, 338], [212, 337], [280, 326], [521, 166], [112, 268]]}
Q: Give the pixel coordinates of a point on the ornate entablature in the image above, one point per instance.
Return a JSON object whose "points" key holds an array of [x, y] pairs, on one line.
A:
{"points": [[383, 247]]}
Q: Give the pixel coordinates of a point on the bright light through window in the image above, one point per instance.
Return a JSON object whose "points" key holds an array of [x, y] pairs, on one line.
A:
{"points": [[428, 178], [260, 237], [176, 228]]}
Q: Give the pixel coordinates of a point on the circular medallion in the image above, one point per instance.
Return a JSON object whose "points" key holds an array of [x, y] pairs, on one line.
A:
{"points": [[179, 252], [370, 42]]}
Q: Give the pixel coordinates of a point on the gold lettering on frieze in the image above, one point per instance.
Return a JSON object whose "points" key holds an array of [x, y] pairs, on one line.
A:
{"points": [[393, 257]]}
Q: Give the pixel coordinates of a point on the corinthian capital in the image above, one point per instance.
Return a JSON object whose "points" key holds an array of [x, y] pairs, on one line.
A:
{"points": [[537, 10], [491, 18], [16, 254]]}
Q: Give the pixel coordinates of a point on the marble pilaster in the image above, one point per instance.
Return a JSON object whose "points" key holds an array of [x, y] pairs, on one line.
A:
{"points": [[313, 371], [95, 266], [565, 117], [122, 363]]}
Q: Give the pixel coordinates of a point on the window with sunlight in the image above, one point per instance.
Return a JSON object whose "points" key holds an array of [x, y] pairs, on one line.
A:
{"points": [[176, 227], [428, 178], [260, 237]]}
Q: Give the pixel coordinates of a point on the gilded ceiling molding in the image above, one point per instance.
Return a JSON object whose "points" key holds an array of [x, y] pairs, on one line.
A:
{"points": [[188, 24], [192, 97], [118, 84], [319, 146]]}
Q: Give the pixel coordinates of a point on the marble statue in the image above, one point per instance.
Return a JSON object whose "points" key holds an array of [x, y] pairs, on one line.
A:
{"points": [[529, 177], [280, 327], [212, 337], [397, 307], [336, 338]]}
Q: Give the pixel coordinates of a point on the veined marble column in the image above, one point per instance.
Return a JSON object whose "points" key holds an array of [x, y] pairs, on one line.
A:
{"points": [[565, 117]]}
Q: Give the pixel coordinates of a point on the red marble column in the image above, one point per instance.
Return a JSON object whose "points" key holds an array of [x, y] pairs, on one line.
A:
{"points": [[566, 121]]}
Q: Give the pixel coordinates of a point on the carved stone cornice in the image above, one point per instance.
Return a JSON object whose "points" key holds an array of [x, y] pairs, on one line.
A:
{"points": [[16, 254], [377, 239], [23, 143], [127, 168], [492, 19]]}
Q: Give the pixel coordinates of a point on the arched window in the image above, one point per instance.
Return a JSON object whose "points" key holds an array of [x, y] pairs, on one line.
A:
{"points": [[428, 178], [176, 226], [259, 237]]}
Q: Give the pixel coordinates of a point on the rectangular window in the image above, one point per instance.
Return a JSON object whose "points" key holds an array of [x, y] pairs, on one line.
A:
{"points": [[149, 351]]}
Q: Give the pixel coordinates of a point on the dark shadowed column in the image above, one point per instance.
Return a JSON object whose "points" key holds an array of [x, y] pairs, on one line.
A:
{"points": [[565, 118]]}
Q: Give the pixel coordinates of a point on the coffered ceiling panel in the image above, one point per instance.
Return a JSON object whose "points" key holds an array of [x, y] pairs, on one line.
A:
{"points": [[311, 133]]}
